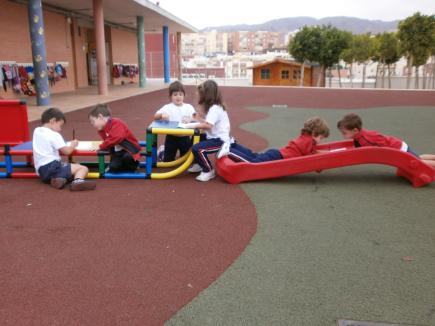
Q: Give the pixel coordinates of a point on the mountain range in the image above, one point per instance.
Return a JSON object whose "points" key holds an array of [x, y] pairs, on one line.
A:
{"points": [[351, 24]]}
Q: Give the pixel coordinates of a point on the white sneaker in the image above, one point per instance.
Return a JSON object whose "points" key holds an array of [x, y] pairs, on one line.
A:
{"points": [[195, 168], [224, 150], [206, 176]]}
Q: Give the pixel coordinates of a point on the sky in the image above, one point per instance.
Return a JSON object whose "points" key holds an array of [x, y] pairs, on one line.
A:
{"points": [[207, 13]]}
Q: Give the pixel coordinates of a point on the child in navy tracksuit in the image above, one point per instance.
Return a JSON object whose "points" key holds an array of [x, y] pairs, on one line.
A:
{"points": [[117, 138], [314, 130], [215, 123]]}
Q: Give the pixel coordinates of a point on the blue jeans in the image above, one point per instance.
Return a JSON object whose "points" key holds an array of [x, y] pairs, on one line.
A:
{"points": [[202, 149], [242, 154]]}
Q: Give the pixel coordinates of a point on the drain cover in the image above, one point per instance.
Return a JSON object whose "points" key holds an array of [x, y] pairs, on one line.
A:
{"points": [[345, 322]]}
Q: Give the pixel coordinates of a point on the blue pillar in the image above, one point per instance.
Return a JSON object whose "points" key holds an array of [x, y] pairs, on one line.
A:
{"points": [[166, 63], [37, 38], [141, 50]]}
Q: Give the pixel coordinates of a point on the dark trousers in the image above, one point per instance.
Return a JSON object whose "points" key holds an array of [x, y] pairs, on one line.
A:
{"points": [[174, 144], [242, 154], [55, 169], [122, 161], [202, 149]]}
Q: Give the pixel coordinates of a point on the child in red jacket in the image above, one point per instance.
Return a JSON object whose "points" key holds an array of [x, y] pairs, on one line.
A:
{"points": [[117, 138], [350, 127], [314, 130]]}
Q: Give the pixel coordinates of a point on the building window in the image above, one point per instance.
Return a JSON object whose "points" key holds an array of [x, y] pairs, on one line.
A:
{"points": [[296, 74], [285, 74], [265, 73]]}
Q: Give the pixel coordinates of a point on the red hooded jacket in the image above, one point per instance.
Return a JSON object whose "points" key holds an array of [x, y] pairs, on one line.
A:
{"points": [[373, 138], [303, 145], [116, 132]]}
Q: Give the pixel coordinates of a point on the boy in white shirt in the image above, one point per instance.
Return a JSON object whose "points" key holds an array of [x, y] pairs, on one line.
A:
{"points": [[177, 111], [47, 146]]}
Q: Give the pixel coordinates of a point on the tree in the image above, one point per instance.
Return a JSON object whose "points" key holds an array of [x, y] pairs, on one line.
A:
{"points": [[333, 43], [416, 35], [387, 52], [363, 46], [348, 56], [347, 36], [433, 66], [318, 44], [305, 46], [380, 66]]}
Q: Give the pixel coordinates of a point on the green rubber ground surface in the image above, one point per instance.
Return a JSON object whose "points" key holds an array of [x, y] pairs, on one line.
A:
{"points": [[352, 243]]}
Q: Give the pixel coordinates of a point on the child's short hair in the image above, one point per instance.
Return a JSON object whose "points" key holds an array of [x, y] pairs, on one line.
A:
{"points": [[209, 95], [176, 86], [102, 109], [316, 126], [51, 113], [349, 122]]}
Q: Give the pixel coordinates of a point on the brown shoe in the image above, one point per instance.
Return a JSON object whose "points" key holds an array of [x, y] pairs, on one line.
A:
{"points": [[80, 185], [58, 183]]}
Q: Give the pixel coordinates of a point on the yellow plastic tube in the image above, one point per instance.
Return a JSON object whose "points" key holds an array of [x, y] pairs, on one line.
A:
{"points": [[180, 169], [93, 175], [179, 132], [178, 161]]}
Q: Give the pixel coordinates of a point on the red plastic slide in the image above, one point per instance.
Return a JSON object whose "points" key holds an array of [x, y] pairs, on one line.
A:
{"points": [[341, 154]]}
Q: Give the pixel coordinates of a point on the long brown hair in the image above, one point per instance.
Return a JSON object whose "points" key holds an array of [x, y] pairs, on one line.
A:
{"points": [[209, 95]]}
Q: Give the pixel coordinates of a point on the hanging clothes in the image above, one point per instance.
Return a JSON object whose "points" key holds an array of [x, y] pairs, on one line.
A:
{"points": [[1, 75], [16, 81]]}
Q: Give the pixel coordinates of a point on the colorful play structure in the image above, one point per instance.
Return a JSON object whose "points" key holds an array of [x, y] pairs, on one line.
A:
{"points": [[16, 148], [340, 154]]}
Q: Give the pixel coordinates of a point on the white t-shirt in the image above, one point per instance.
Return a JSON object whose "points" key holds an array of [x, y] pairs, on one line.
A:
{"points": [[176, 113], [218, 117], [46, 145]]}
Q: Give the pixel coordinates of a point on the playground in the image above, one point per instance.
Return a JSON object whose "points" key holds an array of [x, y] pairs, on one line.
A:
{"points": [[355, 242]]}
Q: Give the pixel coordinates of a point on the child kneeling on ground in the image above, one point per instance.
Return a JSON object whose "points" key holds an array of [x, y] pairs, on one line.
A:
{"points": [[314, 130], [47, 143], [117, 138]]}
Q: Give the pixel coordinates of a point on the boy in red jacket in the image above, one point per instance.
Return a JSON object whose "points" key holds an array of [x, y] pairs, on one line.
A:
{"points": [[350, 127], [117, 138], [315, 129]]}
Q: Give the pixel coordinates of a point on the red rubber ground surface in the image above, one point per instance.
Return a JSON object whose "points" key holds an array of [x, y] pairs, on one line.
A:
{"points": [[133, 252]]}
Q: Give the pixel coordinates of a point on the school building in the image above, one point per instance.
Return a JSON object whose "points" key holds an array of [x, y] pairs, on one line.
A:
{"points": [[57, 46]]}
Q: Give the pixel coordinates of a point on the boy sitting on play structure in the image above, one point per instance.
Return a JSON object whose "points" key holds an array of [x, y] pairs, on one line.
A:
{"points": [[47, 143], [314, 130], [177, 111], [117, 138]]}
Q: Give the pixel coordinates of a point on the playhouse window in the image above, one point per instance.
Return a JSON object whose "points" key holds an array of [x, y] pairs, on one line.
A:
{"points": [[265, 73], [285, 74]]}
